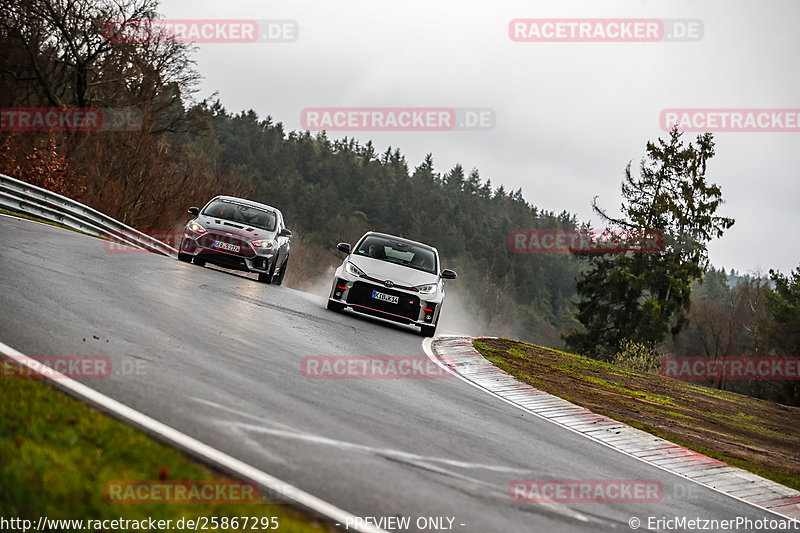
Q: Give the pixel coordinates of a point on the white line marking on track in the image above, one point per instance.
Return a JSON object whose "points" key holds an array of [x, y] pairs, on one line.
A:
{"points": [[189, 443], [390, 453]]}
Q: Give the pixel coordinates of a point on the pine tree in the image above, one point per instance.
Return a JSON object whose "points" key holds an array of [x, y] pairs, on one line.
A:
{"points": [[642, 297]]}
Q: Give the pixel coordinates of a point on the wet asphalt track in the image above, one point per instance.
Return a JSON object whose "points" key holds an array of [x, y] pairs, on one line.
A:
{"points": [[218, 357]]}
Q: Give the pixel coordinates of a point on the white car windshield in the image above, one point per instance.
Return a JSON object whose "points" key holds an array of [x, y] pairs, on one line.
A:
{"points": [[399, 252]]}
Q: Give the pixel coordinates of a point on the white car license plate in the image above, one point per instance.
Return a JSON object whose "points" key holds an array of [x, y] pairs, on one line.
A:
{"points": [[385, 297], [225, 246]]}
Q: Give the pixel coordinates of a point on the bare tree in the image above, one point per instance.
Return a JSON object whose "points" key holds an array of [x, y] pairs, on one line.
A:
{"points": [[65, 53], [61, 53]]}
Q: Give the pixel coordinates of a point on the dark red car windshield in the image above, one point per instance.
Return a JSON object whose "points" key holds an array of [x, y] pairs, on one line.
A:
{"points": [[243, 214]]}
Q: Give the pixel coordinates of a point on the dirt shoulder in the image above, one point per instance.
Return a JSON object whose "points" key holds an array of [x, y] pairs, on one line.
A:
{"points": [[760, 436]]}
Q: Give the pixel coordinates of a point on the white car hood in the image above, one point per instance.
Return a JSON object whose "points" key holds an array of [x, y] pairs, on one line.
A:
{"points": [[399, 274]]}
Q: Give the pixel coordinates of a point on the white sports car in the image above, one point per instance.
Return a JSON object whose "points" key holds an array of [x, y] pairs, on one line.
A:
{"points": [[391, 277]]}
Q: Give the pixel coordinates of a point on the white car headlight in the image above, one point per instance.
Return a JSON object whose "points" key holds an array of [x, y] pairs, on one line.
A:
{"points": [[195, 226], [262, 244], [353, 270], [427, 289]]}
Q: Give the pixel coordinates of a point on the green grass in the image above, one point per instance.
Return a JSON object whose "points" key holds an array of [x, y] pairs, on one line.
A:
{"points": [[57, 457], [769, 473], [519, 354], [579, 362], [718, 423], [679, 415], [483, 347], [500, 363], [655, 398]]}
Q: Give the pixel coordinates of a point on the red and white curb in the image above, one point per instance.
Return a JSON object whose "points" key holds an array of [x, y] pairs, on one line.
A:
{"points": [[458, 354]]}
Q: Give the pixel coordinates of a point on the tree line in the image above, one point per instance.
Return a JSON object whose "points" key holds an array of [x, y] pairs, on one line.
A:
{"points": [[53, 53]]}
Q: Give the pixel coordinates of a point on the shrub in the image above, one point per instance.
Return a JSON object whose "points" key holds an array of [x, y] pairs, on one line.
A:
{"points": [[637, 357]]}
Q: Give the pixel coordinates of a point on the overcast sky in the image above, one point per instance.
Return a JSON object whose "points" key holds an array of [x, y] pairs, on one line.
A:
{"points": [[569, 115]]}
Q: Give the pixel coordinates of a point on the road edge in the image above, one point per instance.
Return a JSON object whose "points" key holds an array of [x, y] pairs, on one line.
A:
{"points": [[190, 445], [457, 355]]}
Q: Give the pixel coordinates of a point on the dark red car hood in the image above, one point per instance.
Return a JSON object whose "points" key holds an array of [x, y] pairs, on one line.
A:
{"points": [[249, 233]]}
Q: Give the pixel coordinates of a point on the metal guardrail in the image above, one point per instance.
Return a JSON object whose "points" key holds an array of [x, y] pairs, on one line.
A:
{"points": [[21, 197]]}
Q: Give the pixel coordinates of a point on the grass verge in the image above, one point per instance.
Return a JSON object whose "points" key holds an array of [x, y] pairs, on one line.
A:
{"points": [[57, 457], [756, 435]]}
